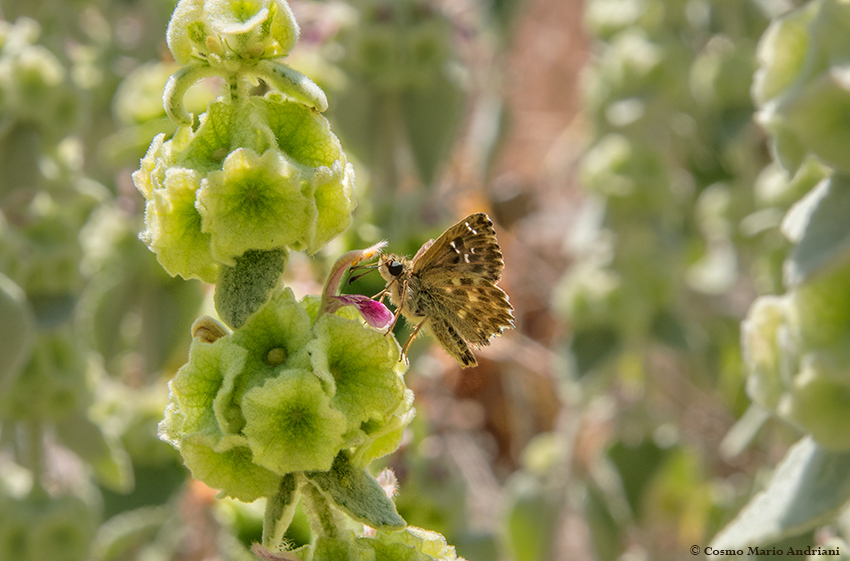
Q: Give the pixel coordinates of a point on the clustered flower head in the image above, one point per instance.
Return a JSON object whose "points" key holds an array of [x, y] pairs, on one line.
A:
{"points": [[288, 392], [796, 348], [254, 172]]}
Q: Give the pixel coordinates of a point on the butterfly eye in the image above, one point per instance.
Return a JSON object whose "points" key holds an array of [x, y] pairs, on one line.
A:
{"points": [[395, 268]]}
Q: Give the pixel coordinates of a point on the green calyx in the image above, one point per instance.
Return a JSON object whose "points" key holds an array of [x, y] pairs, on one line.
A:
{"points": [[286, 393], [220, 29]]}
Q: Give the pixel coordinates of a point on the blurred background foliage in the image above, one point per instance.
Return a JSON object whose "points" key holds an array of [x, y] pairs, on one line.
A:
{"points": [[640, 210]]}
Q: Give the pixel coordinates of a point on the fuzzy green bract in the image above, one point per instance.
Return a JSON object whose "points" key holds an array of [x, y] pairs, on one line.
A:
{"points": [[286, 393]]}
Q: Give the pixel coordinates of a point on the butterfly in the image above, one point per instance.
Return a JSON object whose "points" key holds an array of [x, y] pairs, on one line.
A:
{"points": [[449, 287]]}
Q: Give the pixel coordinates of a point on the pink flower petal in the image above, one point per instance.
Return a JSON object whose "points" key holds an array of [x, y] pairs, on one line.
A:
{"points": [[375, 313]]}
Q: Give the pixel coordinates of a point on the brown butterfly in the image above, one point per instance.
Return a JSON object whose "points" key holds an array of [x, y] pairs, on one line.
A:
{"points": [[450, 287]]}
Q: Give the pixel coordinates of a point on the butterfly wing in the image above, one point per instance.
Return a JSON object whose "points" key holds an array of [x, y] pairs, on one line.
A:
{"points": [[452, 341], [469, 248], [456, 279], [477, 313]]}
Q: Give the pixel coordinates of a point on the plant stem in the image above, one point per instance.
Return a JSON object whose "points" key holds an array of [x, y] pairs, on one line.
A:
{"points": [[323, 519]]}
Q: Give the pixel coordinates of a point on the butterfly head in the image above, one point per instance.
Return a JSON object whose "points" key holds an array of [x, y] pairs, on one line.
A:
{"points": [[392, 266]]}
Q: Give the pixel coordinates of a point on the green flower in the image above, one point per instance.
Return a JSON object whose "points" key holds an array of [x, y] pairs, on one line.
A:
{"points": [[359, 368], [255, 202], [819, 400], [766, 340], [796, 349], [291, 425], [34, 86]]}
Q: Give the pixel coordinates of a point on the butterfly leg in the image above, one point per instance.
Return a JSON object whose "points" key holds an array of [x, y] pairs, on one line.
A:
{"points": [[413, 334], [395, 320]]}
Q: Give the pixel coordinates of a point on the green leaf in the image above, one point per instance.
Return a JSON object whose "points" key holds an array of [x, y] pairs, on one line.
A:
{"points": [[357, 493], [333, 549], [128, 531], [242, 289], [432, 116], [52, 310], [212, 142], [819, 225], [605, 533], [176, 88], [809, 488], [301, 133]]}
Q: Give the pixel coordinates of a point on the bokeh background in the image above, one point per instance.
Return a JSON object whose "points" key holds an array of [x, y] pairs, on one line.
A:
{"points": [[636, 200]]}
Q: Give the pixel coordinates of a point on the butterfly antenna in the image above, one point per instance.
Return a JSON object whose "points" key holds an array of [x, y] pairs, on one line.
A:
{"points": [[370, 268]]}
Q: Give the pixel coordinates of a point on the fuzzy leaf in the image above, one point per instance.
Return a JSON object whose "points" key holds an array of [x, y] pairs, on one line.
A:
{"points": [[809, 487], [357, 493], [819, 225], [432, 116], [242, 289]]}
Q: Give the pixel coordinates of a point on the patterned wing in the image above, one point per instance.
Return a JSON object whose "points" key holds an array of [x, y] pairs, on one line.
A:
{"points": [[467, 249], [456, 280], [477, 311], [452, 342]]}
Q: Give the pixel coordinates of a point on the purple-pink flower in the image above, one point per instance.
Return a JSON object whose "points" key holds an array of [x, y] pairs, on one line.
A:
{"points": [[375, 313]]}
